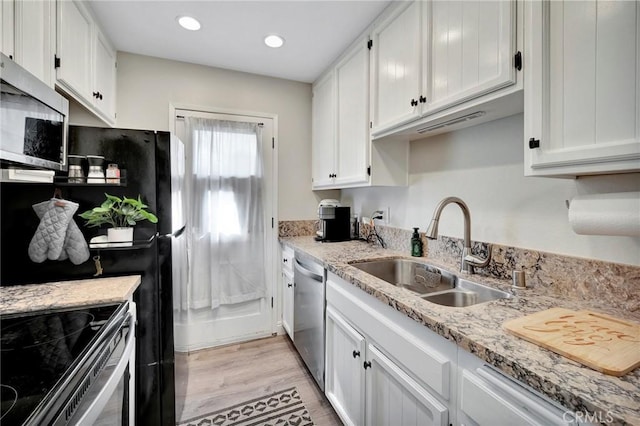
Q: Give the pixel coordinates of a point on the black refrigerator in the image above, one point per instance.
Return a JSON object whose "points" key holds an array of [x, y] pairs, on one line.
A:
{"points": [[152, 166]]}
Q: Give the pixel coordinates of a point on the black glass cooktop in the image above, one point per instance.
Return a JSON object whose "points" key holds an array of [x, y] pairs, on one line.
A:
{"points": [[37, 351]]}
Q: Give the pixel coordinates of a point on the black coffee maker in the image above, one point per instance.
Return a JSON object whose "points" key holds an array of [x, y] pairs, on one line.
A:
{"points": [[335, 223]]}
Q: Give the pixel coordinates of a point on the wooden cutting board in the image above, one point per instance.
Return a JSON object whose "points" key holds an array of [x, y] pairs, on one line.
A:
{"points": [[604, 343]]}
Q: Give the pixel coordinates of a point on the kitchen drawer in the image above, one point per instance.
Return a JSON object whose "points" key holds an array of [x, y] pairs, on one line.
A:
{"points": [[408, 343]]}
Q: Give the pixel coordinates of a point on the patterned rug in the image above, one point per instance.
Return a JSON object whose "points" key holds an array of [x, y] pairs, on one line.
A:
{"points": [[283, 408]]}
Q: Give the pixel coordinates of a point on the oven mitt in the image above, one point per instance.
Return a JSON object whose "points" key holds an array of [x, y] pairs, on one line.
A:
{"points": [[75, 247], [57, 237]]}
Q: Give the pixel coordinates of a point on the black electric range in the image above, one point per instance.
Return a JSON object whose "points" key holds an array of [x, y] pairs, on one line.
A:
{"points": [[38, 353]]}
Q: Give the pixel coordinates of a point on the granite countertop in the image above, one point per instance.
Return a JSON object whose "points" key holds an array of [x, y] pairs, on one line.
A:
{"points": [[478, 329], [66, 294]]}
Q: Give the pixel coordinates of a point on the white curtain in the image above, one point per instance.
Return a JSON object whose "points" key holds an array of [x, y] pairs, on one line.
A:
{"points": [[225, 218]]}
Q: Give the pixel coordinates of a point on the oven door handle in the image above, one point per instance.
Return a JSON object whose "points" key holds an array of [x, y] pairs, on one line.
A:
{"points": [[95, 407]]}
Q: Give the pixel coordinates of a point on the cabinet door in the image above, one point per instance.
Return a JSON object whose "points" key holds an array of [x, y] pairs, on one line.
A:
{"points": [[35, 38], [287, 303], [7, 30], [74, 42], [352, 89], [323, 131], [394, 398], [105, 77], [396, 68], [582, 87], [468, 50], [345, 372]]}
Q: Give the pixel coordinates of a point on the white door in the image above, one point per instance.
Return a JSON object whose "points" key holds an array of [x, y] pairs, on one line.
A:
{"points": [[352, 139], [105, 84], [7, 29], [201, 328], [582, 87], [287, 303], [396, 68], [74, 28], [468, 50], [35, 38], [394, 398], [323, 139], [345, 372]]}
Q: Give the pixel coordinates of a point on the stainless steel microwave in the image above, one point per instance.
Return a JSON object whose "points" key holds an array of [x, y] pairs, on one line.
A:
{"points": [[33, 119]]}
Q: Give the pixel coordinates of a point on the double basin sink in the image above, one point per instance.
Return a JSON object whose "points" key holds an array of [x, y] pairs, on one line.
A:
{"points": [[430, 282]]}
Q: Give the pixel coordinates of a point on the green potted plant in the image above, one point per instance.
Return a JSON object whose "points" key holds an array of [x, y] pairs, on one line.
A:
{"points": [[122, 214]]}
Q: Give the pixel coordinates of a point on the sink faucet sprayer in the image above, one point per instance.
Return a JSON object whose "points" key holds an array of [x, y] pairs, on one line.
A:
{"points": [[468, 261]]}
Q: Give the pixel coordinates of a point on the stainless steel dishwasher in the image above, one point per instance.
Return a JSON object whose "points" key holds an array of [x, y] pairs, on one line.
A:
{"points": [[308, 315]]}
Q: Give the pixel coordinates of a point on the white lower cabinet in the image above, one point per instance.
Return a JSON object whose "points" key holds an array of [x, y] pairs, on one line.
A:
{"points": [[394, 398], [487, 397], [381, 370], [345, 374], [287, 290], [385, 369]]}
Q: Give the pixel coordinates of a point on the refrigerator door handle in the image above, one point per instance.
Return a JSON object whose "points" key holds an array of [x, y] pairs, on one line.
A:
{"points": [[174, 234]]}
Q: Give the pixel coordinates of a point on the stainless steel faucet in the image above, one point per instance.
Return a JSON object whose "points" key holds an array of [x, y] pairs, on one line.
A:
{"points": [[468, 261]]}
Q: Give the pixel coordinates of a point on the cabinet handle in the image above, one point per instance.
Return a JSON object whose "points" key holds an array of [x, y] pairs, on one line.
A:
{"points": [[285, 260], [367, 364], [95, 94], [534, 143], [289, 285], [414, 102], [100, 95], [356, 354], [423, 99]]}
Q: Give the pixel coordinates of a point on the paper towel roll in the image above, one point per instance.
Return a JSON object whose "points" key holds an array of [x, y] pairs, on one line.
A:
{"points": [[606, 214]]}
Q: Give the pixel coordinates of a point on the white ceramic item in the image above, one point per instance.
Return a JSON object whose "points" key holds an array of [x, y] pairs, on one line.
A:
{"points": [[120, 237]]}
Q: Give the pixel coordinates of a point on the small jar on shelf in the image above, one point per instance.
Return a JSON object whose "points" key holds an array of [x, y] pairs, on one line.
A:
{"points": [[113, 173]]}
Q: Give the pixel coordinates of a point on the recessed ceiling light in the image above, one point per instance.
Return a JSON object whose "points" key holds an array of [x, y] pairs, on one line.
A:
{"points": [[189, 23], [273, 41]]}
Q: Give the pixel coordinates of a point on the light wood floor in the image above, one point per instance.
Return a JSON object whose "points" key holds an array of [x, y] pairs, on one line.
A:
{"points": [[213, 379]]}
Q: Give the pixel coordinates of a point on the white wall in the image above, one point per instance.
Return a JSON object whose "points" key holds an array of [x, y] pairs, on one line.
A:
{"points": [[483, 165], [146, 86]]}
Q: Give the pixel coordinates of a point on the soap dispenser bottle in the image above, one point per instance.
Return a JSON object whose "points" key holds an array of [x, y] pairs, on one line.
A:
{"points": [[416, 244]]}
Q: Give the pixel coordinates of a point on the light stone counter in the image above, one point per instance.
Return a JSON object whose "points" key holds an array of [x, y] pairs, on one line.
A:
{"points": [[478, 330], [66, 294]]}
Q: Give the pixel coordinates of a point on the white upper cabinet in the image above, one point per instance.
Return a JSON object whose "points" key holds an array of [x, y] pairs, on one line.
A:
{"points": [[105, 77], [7, 29], [582, 88], [87, 62], [352, 90], [28, 36], [343, 154], [323, 131], [74, 49], [469, 48], [340, 122], [438, 64], [396, 68]]}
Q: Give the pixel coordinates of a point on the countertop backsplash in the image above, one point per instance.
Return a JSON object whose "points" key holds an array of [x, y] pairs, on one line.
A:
{"points": [[615, 285]]}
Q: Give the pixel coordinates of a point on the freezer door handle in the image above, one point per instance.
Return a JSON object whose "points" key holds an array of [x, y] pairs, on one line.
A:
{"points": [[174, 234]]}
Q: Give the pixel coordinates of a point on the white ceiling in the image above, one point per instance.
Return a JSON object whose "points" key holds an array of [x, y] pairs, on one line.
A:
{"points": [[232, 33]]}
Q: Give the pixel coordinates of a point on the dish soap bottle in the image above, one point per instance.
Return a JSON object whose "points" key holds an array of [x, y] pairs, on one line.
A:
{"points": [[416, 244]]}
